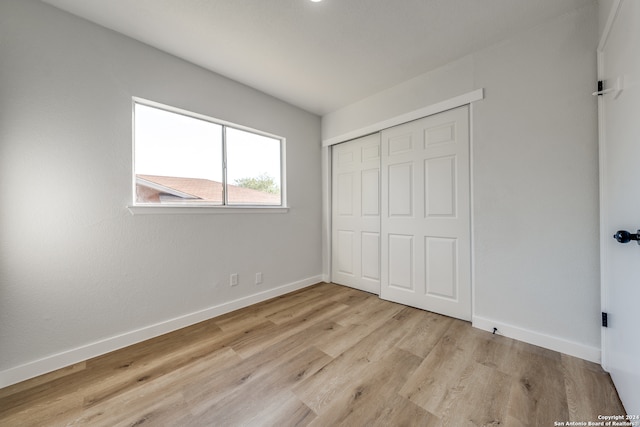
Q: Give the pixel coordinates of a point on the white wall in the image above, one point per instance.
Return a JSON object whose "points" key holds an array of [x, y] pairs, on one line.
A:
{"points": [[535, 177], [604, 9], [75, 266], [440, 84]]}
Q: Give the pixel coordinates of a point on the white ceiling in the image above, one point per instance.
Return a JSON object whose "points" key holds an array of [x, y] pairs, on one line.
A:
{"points": [[319, 56]]}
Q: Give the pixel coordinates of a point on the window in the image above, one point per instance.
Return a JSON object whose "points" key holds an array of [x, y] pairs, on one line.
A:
{"points": [[182, 158]]}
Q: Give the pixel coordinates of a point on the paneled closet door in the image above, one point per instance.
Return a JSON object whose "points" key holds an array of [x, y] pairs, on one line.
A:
{"points": [[425, 227], [356, 213]]}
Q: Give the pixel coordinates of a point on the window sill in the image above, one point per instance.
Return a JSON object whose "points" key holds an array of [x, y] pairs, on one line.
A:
{"points": [[173, 210]]}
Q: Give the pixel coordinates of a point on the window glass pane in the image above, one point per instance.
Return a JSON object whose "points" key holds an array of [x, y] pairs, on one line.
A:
{"points": [[253, 168], [178, 159]]}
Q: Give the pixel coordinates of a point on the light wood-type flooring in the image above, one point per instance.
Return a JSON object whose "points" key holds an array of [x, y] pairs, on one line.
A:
{"points": [[323, 356]]}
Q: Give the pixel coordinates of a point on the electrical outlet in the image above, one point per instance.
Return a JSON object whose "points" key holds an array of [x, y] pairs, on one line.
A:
{"points": [[258, 278], [233, 279]]}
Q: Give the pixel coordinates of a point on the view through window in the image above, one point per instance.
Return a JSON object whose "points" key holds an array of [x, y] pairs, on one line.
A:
{"points": [[183, 158]]}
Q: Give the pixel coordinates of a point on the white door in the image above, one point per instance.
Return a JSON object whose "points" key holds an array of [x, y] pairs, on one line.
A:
{"points": [[425, 227], [355, 259], [620, 201]]}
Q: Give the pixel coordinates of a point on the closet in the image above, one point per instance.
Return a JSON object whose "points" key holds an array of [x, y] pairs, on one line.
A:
{"points": [[401, 213]]}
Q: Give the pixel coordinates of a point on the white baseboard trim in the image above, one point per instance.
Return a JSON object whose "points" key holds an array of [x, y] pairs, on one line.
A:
{"points": [[592, 354], [57, 361]]}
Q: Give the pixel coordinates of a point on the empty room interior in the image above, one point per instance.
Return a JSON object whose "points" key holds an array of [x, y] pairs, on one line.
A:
{"points": [[305, 212]]}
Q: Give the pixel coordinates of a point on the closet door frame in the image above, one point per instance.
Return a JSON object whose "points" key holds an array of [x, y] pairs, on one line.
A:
{"points": [[464, 99]]}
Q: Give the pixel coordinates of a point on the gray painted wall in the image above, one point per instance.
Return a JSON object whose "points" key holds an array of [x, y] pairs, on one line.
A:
{"points": [[604, 9], [535, 174], [75, 266]]}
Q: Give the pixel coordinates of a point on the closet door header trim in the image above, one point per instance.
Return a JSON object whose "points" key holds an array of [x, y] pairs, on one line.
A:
{"points": [[429, 110]]}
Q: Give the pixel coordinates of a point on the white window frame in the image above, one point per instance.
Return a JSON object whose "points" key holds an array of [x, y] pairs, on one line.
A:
{"points": [[204, 208]]}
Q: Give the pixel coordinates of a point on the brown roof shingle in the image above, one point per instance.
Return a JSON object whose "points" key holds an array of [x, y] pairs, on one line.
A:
{"points": [[203, 190]]}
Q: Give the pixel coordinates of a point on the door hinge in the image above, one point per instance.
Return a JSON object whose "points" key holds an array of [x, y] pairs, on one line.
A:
{"points": [[605, 320], [600, 87]]}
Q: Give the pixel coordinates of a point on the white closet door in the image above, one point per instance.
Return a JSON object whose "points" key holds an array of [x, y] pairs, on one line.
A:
{"points": [[356, 213], [425, 227]]}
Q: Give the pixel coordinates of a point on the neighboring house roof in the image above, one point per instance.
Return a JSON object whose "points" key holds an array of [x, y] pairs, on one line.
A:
{"points": [[158, 189], [161, 188]]}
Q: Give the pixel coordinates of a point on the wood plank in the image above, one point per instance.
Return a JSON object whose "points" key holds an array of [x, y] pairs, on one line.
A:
{"points": [[422, 337], [398, 411], [45, 380], [432, 383], [366, 396], [356, 363], [203, 393], [258, 313], [261, 393], [353, 329], [587, 397], [139, 405], [537, 393], [253, 343], [477, 398], [289, 412]]}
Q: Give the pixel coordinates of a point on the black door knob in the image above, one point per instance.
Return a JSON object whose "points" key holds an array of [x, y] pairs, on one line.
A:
{"points": [[624, 236]]}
